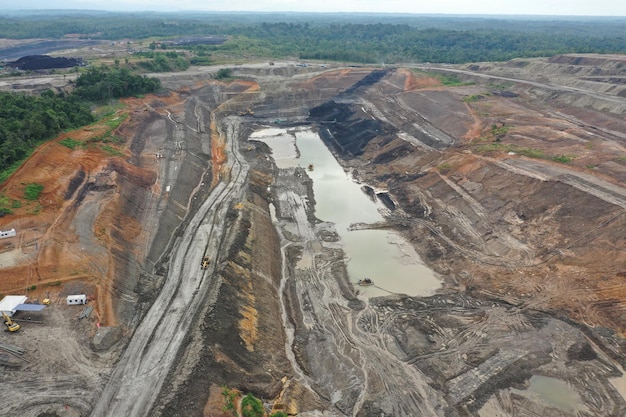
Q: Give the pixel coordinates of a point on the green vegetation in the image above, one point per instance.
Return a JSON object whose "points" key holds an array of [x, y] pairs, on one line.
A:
{"points": [[35, 210], [112, 122], [27, 121], [444, 168], [101, 84], [163, 62], [451, 80], [229, 399], [502, 130], [447, 80], [364, 38], [5, 205], [223, 73], [278, 414], [474, 97], [499, 132], [111, 151], [33, 191], [507, 147], [564, 159], [69, 143], [528, 152], [108, 110], [251, 406]]}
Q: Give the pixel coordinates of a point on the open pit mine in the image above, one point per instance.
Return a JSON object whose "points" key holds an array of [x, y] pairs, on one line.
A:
{"points": [[336, 241]]}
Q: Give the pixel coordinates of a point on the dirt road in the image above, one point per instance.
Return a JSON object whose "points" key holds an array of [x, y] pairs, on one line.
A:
{"points": [[137, 379]]}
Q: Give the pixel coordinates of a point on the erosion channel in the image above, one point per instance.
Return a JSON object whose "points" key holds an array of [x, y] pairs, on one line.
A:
{"points": [[489, 215]]}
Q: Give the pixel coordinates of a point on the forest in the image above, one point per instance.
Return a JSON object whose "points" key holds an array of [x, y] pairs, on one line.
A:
{"points": [[361, 38], [27, 121]]}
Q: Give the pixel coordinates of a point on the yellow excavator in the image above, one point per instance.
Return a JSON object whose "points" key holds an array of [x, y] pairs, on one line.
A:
{"points": [[12, 326]]}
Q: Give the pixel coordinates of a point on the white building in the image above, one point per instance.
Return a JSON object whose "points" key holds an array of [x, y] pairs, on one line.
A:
{"points": [[7, 233], [9, 304], [76, 299]]}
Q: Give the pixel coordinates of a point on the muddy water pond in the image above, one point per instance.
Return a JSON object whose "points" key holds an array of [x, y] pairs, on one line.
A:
{"points": [[380, 255], [555, 393]]}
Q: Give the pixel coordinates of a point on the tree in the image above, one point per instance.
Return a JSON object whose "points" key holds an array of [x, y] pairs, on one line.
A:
{"points": [[223, 73], [251, 406]]}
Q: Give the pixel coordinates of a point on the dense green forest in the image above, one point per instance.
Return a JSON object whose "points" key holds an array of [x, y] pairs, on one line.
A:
{"points": [[366, 38], [100, 84], [26, 121]]}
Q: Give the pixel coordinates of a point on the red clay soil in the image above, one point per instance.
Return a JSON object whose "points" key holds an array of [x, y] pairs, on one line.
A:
{"points": [[46, 258], [415, 81], [49, 258]]}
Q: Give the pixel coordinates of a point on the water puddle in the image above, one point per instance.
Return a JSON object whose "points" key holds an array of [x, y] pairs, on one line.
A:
{"points": [[382, 256], [555, 392], [283, 145]]}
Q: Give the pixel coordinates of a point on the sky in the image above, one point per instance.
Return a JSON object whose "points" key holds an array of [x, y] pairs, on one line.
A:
{"points": [[496, 7]]}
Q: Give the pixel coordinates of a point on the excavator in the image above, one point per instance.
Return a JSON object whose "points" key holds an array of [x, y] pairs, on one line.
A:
{"points": [[11, 325]]}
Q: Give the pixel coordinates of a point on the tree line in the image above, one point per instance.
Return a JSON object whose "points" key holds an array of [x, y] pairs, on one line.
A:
{"points": [[367, 38], [27, 121]]}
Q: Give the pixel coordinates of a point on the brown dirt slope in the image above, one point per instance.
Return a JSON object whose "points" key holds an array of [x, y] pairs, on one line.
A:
{"points": [[529, 202]]}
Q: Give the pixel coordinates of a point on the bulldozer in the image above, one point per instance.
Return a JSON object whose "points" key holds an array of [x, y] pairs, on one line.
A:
{"points": [[11, 325]]}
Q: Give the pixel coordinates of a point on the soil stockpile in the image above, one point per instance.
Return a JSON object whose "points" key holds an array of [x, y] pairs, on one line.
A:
{"points": [[41, 62]]}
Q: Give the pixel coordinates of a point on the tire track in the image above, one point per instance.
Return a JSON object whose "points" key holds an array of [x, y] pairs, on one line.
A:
{"points": [[137, 379]]}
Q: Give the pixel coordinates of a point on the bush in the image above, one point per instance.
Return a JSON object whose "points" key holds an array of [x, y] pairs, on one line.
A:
{"points": [[444, 168], [229, 400], [224, 73], [69, 143], [251, 406], [562, 158], [33, 191]]}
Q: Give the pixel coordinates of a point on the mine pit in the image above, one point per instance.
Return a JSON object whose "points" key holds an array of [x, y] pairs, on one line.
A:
{"points": [[494, 273], [379, 255]]}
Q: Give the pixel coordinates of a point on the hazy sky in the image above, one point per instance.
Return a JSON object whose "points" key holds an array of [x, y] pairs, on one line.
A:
{"points": [[532, 7]]}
